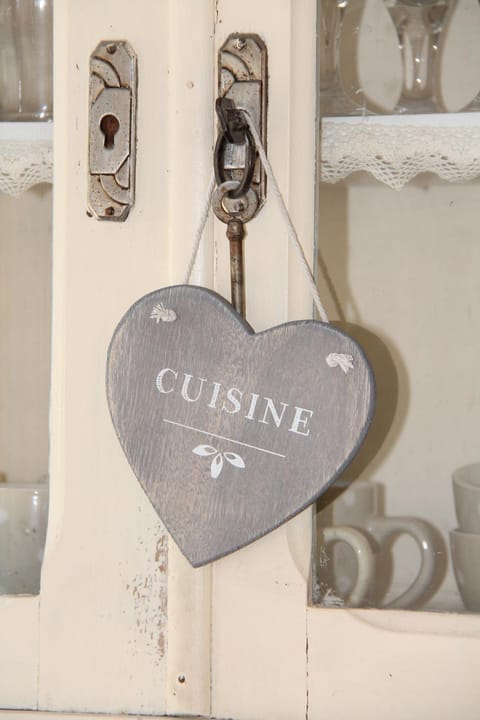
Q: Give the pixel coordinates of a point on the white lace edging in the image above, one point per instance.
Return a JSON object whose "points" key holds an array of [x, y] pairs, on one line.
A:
{"points": [[396, 154], [24, 164]]}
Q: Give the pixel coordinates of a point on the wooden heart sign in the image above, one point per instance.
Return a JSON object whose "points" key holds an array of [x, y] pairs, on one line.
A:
{"points": [[232, 432]]}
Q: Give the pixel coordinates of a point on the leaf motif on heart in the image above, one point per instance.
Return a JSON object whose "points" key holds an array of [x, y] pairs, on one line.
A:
{"points": [[234, 459], [216, 466], [217, 463], [204, 450]]}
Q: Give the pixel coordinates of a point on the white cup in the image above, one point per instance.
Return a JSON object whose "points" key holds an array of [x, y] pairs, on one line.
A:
{"points": [[23, 524], [465, 549], [364, 558], [358, 507], [466, 493]]}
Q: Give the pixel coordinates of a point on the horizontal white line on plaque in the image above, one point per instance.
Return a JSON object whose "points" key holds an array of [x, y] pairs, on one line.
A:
{"points": [[221, 437]]}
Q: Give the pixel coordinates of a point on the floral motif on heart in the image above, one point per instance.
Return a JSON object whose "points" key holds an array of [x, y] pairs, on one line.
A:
{"points": [[218, 457]]}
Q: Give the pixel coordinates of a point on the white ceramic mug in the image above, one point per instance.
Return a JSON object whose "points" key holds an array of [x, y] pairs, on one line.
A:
{"points": [[465, 549], [23, 524], [364, 559], [359, 507], [466, 493]]}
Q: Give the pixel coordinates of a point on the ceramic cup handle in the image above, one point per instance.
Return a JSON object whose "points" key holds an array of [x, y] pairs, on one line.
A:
{"points": [[384, 528], [363, 556]]}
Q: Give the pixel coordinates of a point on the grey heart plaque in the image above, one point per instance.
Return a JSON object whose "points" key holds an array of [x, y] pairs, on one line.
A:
{"points": [[232, 432]]}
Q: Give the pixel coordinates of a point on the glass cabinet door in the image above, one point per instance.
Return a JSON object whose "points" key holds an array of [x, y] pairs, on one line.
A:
{"points": [[26, 77], [399, 269]]}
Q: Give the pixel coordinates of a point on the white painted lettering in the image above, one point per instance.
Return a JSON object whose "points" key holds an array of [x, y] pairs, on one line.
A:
{"points": [[270, 408], [232, 400], [251, 409], [216, 390], [159, 380], [185, 386], [235, 401], [299, 420]]}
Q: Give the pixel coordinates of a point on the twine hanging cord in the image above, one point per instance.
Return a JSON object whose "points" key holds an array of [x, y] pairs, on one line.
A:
{"points": [[292, 234], [341, 360]]}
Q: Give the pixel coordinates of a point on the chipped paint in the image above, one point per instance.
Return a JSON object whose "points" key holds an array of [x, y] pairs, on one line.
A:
{"points": [[148, 590]]}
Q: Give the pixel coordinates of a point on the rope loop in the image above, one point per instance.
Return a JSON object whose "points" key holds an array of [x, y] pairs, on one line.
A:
{"points": [[292, 234]]}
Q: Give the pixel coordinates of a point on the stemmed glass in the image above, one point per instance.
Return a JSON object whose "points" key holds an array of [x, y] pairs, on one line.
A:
{"points": [[333, 98], [419, 24]]}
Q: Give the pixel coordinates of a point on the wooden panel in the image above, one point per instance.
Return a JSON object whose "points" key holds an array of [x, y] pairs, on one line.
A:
{"points": [[260, 593], [19, 651], [104, 600], [34, 715], [190, 103], [355, 667]]}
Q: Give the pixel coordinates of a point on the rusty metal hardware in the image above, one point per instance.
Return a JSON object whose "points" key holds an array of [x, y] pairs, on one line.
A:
{"points": [[232, 121], [242, 85], [233, 130], [112, 131], [227, 208], [235, 235], [241, 181]]}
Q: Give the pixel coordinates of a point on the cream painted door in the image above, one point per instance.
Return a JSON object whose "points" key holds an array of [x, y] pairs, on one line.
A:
{"points": [[121, 616], [122, 623]]}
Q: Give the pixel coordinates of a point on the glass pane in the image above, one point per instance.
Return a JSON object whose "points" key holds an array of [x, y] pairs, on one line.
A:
{"points": [[25, 312], [401, 527]]}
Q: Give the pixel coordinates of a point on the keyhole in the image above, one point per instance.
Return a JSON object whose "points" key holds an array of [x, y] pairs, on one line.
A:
{"points": [[109, 126]]}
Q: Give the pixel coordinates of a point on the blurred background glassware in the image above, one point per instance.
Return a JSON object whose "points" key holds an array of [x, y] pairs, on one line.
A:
{"points": [[419, 24], [34, 36], [339, 92], [23, 526], [460, 58], [9, 68]]}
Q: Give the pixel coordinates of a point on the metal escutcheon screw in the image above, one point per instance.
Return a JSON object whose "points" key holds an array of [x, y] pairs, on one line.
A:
{"points": [[240, 44]]}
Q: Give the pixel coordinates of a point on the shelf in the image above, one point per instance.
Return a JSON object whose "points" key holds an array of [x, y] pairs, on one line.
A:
{"points": [[26, 156], [396, 148], [26, 131]]}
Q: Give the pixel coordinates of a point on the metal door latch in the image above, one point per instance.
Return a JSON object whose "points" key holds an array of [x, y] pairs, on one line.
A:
{"points": [[112, 131], [242, 86]]}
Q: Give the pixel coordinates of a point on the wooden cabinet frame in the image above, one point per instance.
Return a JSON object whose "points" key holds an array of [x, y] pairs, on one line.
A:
{"points": [[121, 616]]}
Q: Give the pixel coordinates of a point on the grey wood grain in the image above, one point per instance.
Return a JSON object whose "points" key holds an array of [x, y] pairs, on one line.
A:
{"points": [[231, 432]]}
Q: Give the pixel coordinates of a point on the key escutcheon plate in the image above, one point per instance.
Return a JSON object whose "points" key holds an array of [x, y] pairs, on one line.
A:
{"points": [[112, 130]]}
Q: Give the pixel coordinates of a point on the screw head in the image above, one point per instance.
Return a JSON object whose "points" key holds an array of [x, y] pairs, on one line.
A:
{"points": [[181, 679], [112, 48], [240, 44], [110, 211]]}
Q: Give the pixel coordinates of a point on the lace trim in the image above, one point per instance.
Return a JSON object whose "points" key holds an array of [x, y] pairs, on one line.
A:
{"points": [[24, 164], [395, 154]]}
